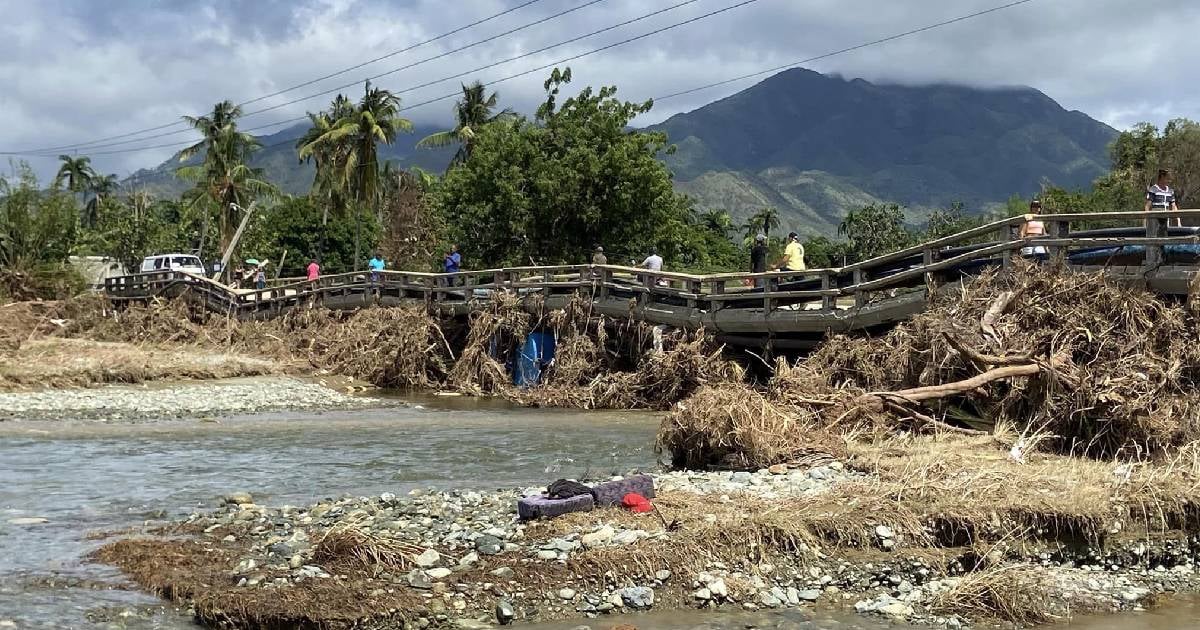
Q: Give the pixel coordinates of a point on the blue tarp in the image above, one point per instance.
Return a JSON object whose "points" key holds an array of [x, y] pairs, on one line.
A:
{"points": [[536, 353]]}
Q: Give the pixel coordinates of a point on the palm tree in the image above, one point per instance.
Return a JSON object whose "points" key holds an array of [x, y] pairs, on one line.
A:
{"points": [[77, 171], [717, 221], [471, 113], [223, 178], [375, 119], [100, 186], [767, 219]]}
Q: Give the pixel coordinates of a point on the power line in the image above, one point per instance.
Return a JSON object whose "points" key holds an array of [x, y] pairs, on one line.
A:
{"points": [[485, 67], [300, 85], [543, 20], [845, 50], [444, 79], [636, 38]]}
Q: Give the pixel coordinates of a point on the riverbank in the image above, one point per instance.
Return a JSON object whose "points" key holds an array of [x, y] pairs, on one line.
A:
{"points": [[163, 401], [865, 535]]}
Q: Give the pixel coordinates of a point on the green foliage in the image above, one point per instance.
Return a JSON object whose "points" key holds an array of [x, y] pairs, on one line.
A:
{"points": [[1137, 155], [550, 190], [949, 221], [294, 225], [875, 230], [38, 230], [471, 113], [224, 181], [823, 252]]}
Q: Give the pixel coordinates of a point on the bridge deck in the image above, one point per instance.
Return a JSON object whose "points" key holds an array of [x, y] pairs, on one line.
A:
{"points": [[792, 308]]}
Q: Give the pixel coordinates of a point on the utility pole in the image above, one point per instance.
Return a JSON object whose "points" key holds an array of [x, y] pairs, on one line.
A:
{"points": [[237, 236]]}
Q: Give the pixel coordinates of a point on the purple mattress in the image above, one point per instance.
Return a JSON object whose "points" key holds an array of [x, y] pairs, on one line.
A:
{"points": [[542, 506]]}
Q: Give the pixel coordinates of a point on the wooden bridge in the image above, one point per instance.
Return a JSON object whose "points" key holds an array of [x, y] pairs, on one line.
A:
{"points": [[789, 310]]}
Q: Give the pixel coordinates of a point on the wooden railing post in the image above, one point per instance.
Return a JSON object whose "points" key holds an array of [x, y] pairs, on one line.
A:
{"points": [[828, 302], [1007, 235], [648, 281], [1155, 228], [860, 297], [718, 288], [1057, 230], [693, 287], [768, 301], [605, 279]]}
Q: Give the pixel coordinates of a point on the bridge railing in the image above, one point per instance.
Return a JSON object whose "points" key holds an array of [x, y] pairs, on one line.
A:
{"points": [[823, 290]]}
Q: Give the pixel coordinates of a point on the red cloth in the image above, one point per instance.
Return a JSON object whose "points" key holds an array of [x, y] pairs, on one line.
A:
{"points": [[636, 503]]}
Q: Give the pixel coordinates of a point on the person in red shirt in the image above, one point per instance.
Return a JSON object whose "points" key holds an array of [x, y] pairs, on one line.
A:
{"points": [[313, 271]]}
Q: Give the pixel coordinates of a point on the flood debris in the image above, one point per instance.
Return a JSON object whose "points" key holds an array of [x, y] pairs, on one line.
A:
{"points": [[829, 536], [1088, 366]]}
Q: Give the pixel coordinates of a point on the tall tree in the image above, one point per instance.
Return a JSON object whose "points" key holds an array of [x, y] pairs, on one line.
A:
{"points": [[77, 171], [471, 113], [328, 159], [223, 178], [767, 219], [100, 187], [874, 230], [553, 188], [717, 221], [373, 121]]}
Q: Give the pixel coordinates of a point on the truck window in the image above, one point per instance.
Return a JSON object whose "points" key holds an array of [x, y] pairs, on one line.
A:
{"points": [[185, 261]]}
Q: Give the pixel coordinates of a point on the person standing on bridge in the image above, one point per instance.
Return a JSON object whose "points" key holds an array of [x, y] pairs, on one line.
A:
{"points": [[654, 262], [758, 258], [793, 254], [313, 270], [1033, 228], [376, 265], [260, 277], [452, 263], [598, 257], [1160, 196]]}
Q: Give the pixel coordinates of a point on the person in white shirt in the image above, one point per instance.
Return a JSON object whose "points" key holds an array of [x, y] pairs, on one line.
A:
{"points": [[654, 262], [1159, 196]]}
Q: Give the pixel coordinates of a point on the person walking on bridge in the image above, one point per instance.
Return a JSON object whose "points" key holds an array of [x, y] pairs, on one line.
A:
{"points": [[376, 265], [313, 270], [1160, 196]]}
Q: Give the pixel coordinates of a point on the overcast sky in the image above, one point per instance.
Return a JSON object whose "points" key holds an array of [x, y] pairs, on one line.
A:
{"points": [[77, 70]]}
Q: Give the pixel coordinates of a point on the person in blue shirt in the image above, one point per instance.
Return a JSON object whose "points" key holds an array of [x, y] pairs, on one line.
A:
{"points": [[453, 260], [376, 265]]}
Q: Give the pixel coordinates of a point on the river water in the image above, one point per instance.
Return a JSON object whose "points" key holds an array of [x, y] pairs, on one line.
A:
{"points": [[90, 477]]}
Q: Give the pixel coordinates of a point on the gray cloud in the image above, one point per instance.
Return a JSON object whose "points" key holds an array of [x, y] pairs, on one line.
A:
{"points": [[76, 70]]}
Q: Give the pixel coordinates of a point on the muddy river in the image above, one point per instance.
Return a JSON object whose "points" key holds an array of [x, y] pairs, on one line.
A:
{"points": [[89, 477]]}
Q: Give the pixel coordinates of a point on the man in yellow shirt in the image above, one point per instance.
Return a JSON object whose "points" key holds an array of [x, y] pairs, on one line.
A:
{"points": [[793, 254]]}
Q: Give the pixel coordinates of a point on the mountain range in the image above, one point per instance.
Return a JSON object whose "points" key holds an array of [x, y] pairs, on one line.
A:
{"points": [[815, 146]]}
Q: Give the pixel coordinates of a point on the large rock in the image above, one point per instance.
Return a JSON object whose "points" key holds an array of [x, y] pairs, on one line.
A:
{"points": [[505, 612], [599, 537], [640, 597], [238, 498], [428, 558], [488, 545]]}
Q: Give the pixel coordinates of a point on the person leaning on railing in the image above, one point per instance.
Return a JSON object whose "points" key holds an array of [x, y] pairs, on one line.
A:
{"points": [[1033, 228], [1160, 196]]}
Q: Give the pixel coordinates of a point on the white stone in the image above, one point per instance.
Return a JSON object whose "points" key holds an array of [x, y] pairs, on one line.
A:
{"points": [[428, 558], [438, 573]]}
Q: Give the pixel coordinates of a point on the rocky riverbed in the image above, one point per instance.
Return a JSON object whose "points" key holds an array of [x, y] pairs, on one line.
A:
{"points": [[462, 559], [179, 400]]}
